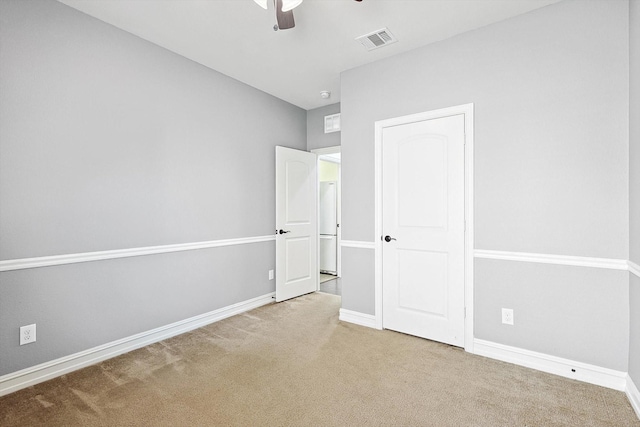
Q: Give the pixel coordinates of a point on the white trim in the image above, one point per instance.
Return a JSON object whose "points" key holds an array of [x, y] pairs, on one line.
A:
{"points": [[327, 150], [329, 159], [358, 318], [47, 261], [377, 183], [467, 111], [633, 395], [36, 374], [609, 263], [634, 268], [592, 374], [469, 216], [357, 244]]}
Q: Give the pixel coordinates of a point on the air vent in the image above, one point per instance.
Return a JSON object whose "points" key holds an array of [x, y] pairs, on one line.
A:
{"points": [[377, 39], [332, 123]]}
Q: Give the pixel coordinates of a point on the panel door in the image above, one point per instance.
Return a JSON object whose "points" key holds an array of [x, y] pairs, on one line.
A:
{"points": [[423, 221], [296, 223]]}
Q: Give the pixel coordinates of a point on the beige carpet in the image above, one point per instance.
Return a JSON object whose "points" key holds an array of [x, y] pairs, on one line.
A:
{"points": [[295, 364]]}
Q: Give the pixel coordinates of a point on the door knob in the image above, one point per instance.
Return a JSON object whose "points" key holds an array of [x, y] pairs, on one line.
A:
{"points": [[281, 231], [389, 238]]}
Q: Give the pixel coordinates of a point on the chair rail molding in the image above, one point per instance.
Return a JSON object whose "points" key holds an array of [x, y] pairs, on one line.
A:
{"points": [[47, 261], [357, 244], [609, 263]]}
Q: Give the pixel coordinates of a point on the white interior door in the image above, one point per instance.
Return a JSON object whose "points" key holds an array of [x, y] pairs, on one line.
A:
{"points": [[296, 223], [423, 226]]}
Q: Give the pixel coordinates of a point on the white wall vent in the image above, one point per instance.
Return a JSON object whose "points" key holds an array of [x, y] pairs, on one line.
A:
{"points": [[332, 123], [377, 39]]}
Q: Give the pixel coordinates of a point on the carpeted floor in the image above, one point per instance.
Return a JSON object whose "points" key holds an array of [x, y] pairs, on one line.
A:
{"points": [[294, 363]]}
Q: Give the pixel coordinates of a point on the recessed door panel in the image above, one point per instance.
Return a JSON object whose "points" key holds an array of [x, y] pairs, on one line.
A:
{"points": [[297, 250], [297, 193], [422, 282], [422, 178]]}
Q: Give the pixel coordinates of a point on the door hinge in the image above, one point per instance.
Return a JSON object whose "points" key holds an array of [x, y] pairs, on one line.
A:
{"points": [[465, 312]]}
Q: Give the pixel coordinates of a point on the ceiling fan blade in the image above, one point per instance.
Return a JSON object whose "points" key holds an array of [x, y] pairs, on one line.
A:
{"points": [[285, 19]]}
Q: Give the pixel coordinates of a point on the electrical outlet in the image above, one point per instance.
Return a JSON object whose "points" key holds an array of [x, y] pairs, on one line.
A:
{"points": [[507, 316], [27, 334], [270, 274]]}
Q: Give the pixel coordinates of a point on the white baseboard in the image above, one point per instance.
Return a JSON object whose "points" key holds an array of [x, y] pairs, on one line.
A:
{"points": [[48, 370], [633, 395], [358, 318], [592, 374]]}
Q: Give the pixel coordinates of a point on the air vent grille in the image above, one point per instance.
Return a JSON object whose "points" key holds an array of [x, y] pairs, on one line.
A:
{"points": [[377, 39], [332, 123]]}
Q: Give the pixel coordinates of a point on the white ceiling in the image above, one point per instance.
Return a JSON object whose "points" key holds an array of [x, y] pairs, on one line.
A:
{"points": [[236, 37]]}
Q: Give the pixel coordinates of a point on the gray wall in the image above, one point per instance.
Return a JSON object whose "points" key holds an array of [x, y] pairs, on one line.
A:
{"points": [[358, 272], [110, 142], [80, 306], [578, 313], [316, 138], [634, 188], [551, 92]]}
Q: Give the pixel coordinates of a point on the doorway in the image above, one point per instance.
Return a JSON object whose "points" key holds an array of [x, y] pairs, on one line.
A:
{"points": [[424, 225], [329, 218]]}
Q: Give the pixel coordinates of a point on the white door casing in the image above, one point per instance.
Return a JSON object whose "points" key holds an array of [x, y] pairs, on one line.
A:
{"points": [[424, 279], [296, 223]]}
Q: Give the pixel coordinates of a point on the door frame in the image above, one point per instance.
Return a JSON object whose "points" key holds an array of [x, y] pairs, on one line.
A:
{"points": [[319, 152], [467, 111]]}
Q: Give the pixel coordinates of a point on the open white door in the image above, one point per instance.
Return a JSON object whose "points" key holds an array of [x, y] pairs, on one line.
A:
{"points": [[296, 223]]}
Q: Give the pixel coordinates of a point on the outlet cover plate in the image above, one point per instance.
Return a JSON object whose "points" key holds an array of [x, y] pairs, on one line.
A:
{"points": [[507, 316], [27, 334]]}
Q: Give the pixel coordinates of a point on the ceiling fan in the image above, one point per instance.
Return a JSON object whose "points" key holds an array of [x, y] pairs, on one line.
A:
{"points": [[284, 12]]}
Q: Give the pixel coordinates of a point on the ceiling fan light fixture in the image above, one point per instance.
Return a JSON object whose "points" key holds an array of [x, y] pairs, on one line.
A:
{"points": [[261, 3], [288, 5]]}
